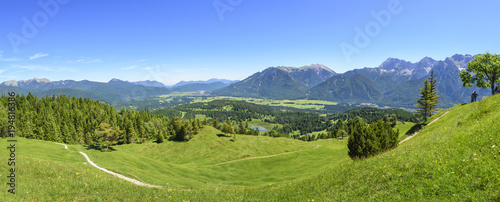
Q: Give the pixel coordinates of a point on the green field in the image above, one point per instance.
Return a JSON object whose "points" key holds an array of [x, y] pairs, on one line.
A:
{"points": [[300, 104], [454, 159]]}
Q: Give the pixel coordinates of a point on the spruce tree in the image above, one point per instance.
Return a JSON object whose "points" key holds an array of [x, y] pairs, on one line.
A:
{"points": [[159, 137], [80, 136], [105, 136], [433, 93], [241, 128], [196, 127], [131, 134], [225, 128], [426, 101]]}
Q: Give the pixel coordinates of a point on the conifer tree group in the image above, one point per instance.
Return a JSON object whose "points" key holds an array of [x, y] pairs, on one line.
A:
{"points": [[92, 123], [366, 140]]}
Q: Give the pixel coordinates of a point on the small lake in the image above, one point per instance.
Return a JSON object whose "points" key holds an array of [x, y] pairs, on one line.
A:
{"points": [[261, 129]]}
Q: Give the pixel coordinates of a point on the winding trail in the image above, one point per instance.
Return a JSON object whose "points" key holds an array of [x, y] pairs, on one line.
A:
{"points": [[137, 182], [261, 157], [65, 146], [411, 136]]}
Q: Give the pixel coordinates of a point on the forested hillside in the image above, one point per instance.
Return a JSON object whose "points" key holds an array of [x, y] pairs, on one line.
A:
{"points": [[84, 121]]}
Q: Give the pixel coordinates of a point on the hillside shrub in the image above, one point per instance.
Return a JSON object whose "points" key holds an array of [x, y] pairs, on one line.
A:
{"points": [[368, 140]]}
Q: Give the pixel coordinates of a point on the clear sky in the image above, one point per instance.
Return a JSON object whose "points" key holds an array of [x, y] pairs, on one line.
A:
{"points": [[178, 40]]}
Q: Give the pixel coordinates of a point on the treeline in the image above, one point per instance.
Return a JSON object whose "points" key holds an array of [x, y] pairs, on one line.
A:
{"points": [[370, 114], [92, 123]]}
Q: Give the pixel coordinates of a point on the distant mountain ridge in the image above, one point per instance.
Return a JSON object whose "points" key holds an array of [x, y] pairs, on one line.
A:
{"points": [[213, 80], [310, 75], [271, 83], [150, 83], [395, 82], [279, 82], [400, 81], [196, 87], [113, 91]]}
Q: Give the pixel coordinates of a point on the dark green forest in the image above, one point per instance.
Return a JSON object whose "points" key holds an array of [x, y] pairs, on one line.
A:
{"points": [[92, 123], [370, 114]]}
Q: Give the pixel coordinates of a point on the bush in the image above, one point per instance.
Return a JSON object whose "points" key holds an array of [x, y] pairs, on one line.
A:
{"points": [[368, 140]]}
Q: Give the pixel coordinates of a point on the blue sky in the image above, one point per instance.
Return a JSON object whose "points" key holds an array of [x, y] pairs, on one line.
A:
{"points": [[178, 40]]}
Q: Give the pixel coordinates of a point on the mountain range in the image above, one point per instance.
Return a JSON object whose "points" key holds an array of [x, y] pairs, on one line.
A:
{"points": [[113, 91], [210, 81], [395, 82], [279, 82]]}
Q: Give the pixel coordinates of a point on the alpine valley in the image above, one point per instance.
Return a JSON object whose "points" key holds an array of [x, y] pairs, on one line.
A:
{"points": [[394, 83]]}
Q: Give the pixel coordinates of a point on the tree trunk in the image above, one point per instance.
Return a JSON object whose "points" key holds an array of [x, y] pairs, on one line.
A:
{"points": [[492, 87]]}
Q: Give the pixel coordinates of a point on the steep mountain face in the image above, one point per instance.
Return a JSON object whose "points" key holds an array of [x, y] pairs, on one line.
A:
{"points": [[399, 83], [271, 83], [348, 87], [393, 72], [310, 75], [194, 87], [449, 84]]}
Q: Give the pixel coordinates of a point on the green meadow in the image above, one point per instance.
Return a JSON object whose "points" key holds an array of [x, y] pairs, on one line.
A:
{"points": [[300, 104], [456, 158]]}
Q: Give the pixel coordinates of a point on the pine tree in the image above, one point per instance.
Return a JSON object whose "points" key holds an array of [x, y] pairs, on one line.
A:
{"points": [[67, 138], [89, 140], [225, 128], [117, 134], [241, 128], [56, 132], [196, 127], [186, 132], [28, 130], [215, 123], [105, 136], [159, 137], [131, 134], [426, 101], [141, 131], [433, 93], [80, 136]]}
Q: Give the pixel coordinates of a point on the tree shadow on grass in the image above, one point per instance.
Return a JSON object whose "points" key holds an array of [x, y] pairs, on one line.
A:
{"points": [[109, 149], [415, 128], [222, 135]]}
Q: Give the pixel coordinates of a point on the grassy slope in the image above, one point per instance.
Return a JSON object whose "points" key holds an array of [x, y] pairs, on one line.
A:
{"points": [[455, 158], [180, 165], [403, 128]]}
